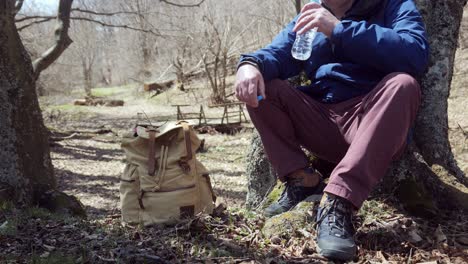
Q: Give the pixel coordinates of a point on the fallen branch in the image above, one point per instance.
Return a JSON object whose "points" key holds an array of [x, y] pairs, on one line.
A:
{"points": [[463, 131], [182, 5], [55, 139]]}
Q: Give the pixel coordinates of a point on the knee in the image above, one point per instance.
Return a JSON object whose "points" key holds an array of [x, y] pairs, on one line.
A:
{"points": [[275, 88], [404, 84]]}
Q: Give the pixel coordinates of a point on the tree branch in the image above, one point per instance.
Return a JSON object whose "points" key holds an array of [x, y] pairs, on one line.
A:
{"points": [[182, 5], [26, 18], [62, 40], [104, 13], [18, 6], [117, 26], [42, 19]]}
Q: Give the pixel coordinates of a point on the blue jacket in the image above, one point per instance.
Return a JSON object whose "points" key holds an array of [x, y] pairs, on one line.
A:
{"points": [[374, 38]]}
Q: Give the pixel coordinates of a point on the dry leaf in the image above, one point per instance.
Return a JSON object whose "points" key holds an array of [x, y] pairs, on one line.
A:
{"points": [[305, 233], [45, 255], [48, 248], [440, 236], [275, 240], [414, 237]]}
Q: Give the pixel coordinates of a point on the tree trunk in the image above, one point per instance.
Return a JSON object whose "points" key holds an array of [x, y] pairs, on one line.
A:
{"points": [[87, 76], [428, 166], [298, 6], [429, 160], [260, 175], [143, 39], [25, 167]]}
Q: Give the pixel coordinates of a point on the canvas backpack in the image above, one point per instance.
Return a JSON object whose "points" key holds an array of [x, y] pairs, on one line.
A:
{"points": [[162, 181]]}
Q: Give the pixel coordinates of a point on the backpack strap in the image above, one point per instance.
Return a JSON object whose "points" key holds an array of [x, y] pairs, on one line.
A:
{"points": [[152, 151], [183, 162]]}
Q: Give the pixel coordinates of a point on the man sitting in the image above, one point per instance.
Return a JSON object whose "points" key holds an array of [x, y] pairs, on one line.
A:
{"points": [[356, 112]]}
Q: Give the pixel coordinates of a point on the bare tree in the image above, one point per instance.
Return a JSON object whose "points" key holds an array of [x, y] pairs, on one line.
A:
{"points": [[180, 62], [26, 169], [220, 39], [26, 173]]}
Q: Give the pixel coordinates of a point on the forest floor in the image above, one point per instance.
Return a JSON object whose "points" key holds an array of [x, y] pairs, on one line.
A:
{"points": [[88, 162]]}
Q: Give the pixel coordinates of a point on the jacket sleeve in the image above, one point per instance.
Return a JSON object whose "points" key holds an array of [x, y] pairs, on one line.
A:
{"points": [[275, 60], [400, 46]]}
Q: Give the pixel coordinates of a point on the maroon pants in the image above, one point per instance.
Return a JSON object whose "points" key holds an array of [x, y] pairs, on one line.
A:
{"points": [[362, 135]]}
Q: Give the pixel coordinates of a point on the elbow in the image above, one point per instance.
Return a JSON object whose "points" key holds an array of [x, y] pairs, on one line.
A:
{"points": [[418, 55], [420, 62], [414, 61]]}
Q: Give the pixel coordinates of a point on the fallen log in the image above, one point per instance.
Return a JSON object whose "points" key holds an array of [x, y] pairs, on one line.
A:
{"points": [[93, 101], [158, 87]]}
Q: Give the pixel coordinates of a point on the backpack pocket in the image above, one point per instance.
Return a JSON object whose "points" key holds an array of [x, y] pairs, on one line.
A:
{"points": [[168, 206], [129, 191]]}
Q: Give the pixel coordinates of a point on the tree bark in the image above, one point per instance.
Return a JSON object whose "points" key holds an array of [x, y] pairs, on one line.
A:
{"points": [[260, 175], [428, 166], [25, 166]]}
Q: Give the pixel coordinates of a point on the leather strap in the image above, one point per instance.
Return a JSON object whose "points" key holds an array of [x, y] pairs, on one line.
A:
{"points": [[208, 180], [140, 199], [151, 152], [183, 162]]}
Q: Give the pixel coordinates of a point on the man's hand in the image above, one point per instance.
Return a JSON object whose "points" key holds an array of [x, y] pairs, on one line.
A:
{"points": [[249, 84], [314, 15]]}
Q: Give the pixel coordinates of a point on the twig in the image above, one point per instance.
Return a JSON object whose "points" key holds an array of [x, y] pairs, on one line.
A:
{"points": [[115, 216], [246, 227], [151, 257], [410, 256], [64, 138], [182, 5], [116, 26], [203, 260], [104, 13], [106, 259], [463, 131], [42, 19]]}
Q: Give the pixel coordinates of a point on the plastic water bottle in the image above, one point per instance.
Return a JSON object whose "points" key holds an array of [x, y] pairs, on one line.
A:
{"points": [[302, 47]]}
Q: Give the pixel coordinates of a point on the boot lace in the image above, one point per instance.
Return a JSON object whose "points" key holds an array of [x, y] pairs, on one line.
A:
{"points": [[337, 217]]}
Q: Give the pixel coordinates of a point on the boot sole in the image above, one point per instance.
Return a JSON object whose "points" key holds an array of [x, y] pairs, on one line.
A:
{"points": [[336, 254]]}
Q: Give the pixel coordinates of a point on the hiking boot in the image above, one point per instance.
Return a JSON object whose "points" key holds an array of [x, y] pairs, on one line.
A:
{"points": [[296, 190], [335, 231]]}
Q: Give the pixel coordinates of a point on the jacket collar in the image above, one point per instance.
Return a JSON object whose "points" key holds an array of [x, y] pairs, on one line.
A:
{"points": [[364, 9]]}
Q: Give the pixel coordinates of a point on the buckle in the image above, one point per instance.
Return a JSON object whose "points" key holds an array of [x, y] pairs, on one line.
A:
{"points": [[184, 166]]}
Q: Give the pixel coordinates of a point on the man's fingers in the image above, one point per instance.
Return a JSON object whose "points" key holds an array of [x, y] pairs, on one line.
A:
{"points": [[252, 94], [242, 90], [261, 88], [247, 85], [310, 6], [312, 24], [304, 19]]}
